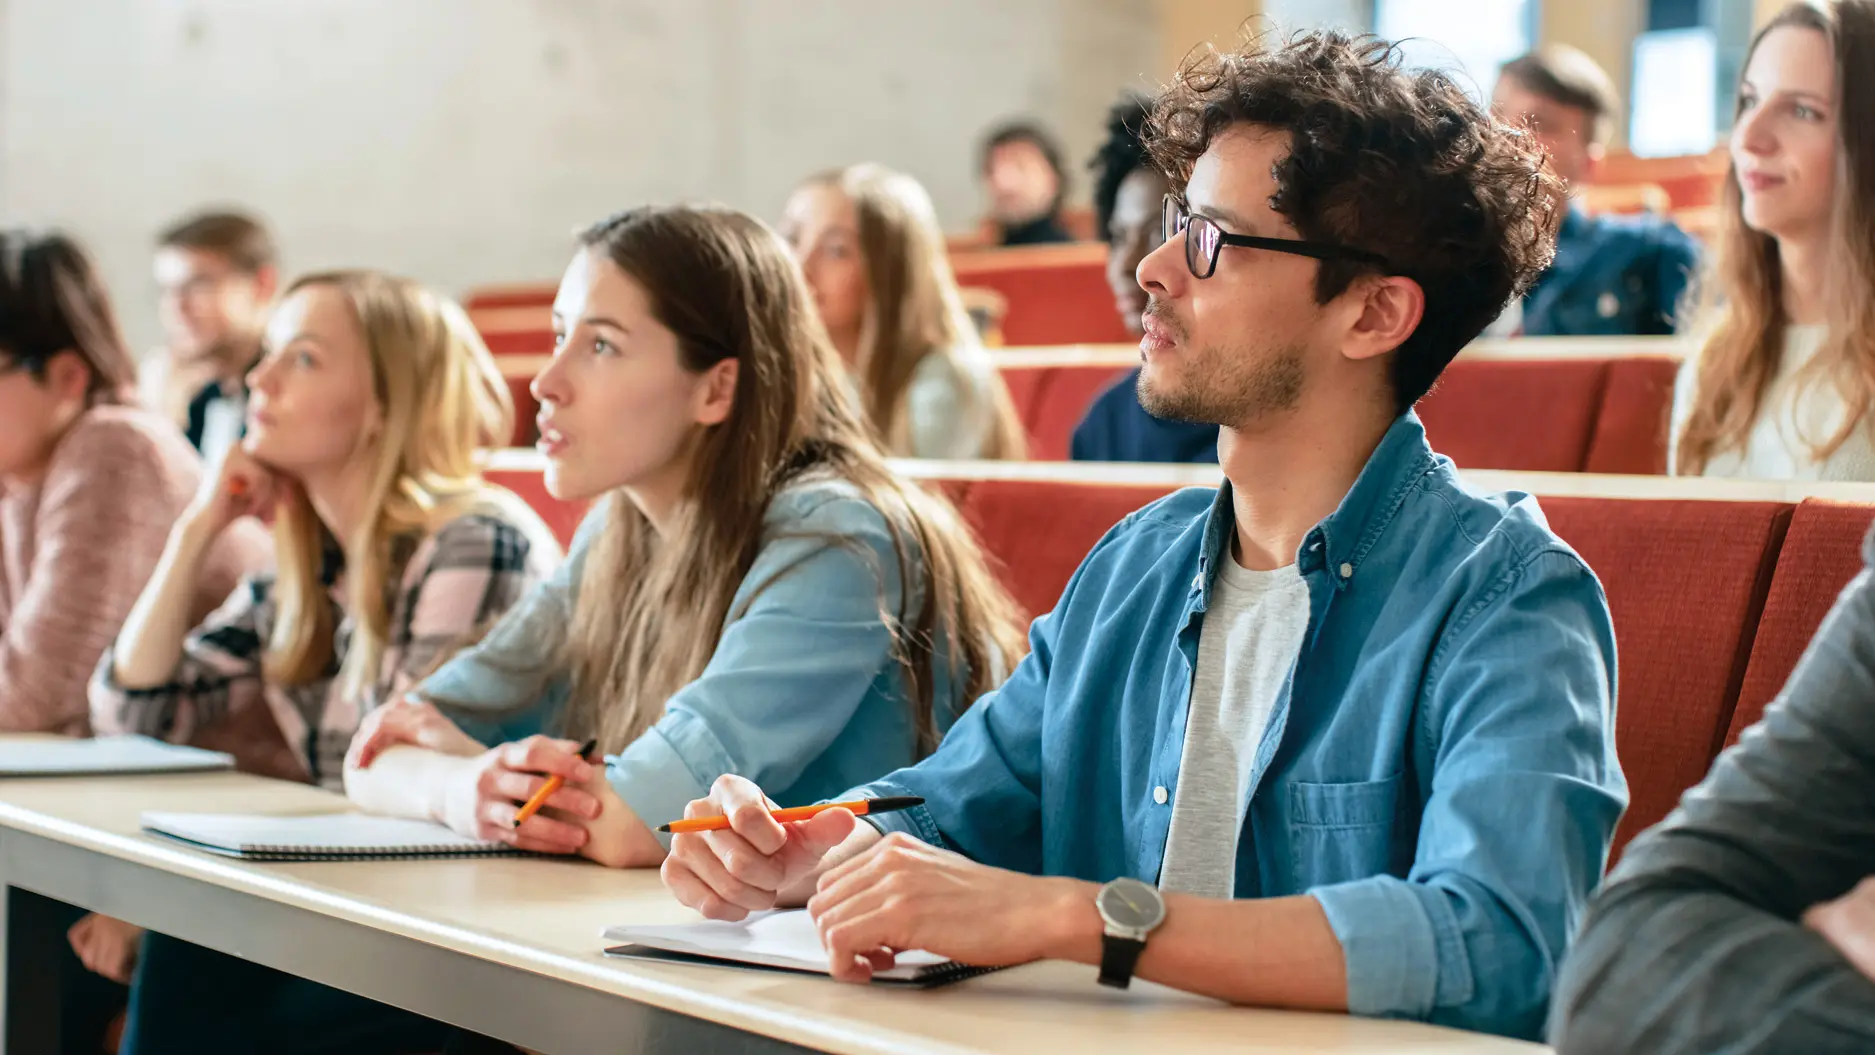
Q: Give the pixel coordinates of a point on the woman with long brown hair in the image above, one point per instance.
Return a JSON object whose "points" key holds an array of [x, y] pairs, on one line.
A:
{"points": [[757, 592], [1785, 378], [869, 244]]}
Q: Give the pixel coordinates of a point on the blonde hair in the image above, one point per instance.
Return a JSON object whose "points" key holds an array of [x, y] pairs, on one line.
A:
{"points": [[440, 398], [652, 606], [1742, 318], [914, 309]]}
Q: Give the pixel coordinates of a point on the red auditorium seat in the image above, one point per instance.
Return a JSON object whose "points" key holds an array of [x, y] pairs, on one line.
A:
{"points": [[1821, 553], [1634, 425], [562, 517], [1057, 294], [1532, 415], [1064, 395], [1686, 583], [1037, 531]]}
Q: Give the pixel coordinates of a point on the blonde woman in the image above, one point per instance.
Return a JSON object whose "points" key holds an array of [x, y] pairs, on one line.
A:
{"points": [[367, 409], [758, 593], [1784, 381], [869, 244]]}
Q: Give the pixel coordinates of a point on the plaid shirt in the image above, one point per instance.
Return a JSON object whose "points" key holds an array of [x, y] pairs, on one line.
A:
{"points": [[456, 582]]}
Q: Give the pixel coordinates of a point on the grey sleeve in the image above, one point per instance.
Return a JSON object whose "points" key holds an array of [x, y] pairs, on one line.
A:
{"points": [[1694, 944]]}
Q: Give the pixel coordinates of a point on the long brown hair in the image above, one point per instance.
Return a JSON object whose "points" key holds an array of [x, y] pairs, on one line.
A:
{"points": [[915, 309], [52, 300], [441, 398], [1742, 315], [651, 607]]}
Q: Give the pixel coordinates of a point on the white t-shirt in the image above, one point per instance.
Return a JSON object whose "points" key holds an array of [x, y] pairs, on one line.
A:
{"points": [[1796, 414], [1247, 645]]}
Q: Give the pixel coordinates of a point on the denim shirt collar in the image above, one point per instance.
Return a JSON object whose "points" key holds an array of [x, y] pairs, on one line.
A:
{"points": [[1341, 541]]}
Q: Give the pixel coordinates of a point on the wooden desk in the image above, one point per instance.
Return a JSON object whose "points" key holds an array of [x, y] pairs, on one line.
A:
{"points": [[511, 948]]}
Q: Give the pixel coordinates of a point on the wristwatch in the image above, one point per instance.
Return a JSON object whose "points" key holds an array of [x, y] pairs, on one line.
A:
{"points": [[1130, 909]]}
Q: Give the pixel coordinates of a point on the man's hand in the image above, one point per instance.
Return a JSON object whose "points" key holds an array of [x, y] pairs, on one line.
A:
{"points": [[759, 860], [903, 894], [1848, 923]]}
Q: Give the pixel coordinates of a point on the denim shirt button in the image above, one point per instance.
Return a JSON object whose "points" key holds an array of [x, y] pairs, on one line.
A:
{"points": [[1347, 570], [1197, 581], [1159, 794]]}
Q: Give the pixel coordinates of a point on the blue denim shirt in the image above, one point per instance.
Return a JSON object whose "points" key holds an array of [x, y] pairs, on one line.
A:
{"points": [[802, 696], [1439, 772], [1613, 276]]}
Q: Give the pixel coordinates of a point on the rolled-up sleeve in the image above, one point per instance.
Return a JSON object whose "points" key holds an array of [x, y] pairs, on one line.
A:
{"points": [[789, 671], [1524, 797], [1696, 943], [513, 679]]}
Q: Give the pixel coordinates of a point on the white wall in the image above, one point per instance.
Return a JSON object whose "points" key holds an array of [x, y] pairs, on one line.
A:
{"points": [[461, 141]]}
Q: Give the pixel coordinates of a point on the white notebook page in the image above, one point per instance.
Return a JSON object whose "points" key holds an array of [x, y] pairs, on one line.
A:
{"points": [[784, 938], [105, 755], [352, 833]]}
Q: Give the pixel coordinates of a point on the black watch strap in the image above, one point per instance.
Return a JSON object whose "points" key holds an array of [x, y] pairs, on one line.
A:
{"points": [[1117, 958]]}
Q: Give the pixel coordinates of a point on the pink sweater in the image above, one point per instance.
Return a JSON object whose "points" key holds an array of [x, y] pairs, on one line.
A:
{"points": [[76, 550]]}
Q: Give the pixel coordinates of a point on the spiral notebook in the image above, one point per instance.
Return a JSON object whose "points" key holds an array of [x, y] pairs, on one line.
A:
{"points": [[773, 941], [320, 837]]}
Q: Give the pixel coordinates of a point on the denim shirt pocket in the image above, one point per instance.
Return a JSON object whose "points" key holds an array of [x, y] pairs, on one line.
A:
{"points": [[1342, 831]]}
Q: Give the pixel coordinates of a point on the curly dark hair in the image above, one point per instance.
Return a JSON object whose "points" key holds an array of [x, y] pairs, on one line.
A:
{"points": [[1121, 154], [1397, 162]]}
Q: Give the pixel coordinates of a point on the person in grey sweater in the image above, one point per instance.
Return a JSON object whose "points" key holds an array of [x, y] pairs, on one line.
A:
{"points": [[1745, 923]]}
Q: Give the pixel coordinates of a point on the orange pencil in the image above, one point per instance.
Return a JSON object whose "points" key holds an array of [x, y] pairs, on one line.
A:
{"points": [[554, 783], [797, 813]]}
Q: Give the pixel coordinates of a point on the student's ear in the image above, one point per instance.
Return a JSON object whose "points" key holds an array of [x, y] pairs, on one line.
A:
{"points": [[717, 394], [266, 284], [68, 376], [1391, 307]]}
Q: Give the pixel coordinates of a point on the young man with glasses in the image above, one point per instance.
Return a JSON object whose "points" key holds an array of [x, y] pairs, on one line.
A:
{"points": [[1339, 735]]}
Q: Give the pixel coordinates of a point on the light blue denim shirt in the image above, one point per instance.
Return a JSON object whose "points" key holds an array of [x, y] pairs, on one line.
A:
{"points": [[803, 695], [1439, 772]]}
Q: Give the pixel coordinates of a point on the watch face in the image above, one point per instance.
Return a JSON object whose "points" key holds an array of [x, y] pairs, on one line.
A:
{"points": [[1131, 904]]}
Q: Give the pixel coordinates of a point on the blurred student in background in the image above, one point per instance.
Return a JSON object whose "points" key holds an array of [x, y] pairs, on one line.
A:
{"points": [[216, 274], [1129, 195], [1613, 275], [89, 486], [1783, 382], [868, 241], [368, 408], [1026, 184]]}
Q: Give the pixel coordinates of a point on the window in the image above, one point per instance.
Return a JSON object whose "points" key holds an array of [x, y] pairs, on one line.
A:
{"points": [[1470, 38]]}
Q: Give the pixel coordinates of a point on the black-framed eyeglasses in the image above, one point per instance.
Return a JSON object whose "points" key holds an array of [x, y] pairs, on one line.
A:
{"points": [[1204, 240]]}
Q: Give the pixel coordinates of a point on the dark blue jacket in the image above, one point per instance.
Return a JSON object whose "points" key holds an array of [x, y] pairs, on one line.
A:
{"points": [[1613, 276], [1117, 429]]}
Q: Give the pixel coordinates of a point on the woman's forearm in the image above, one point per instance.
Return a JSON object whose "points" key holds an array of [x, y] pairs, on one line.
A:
{"points": [[150, 642], [403, 781]]}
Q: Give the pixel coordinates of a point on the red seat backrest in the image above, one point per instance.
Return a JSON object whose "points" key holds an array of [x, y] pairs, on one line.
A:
{"points": [[1686, 582], [1631, 432], [1056, 294], [1533, 415], [562, 517], [526, 407], [1822, 552], [519, 342], [1036, 532]]}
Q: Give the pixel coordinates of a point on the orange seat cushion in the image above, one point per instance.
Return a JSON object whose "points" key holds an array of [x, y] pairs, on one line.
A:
{"points": [[1686, 582], [1822, 552]]}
